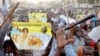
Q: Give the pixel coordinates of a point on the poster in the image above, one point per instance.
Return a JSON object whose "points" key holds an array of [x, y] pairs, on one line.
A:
{"points": [[79, 16], [37, 17], [31, 36]]}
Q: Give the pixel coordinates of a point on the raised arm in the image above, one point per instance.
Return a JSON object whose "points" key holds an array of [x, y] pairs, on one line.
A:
{"points": [[5, 27], [6, 23], [3, 31], [61, 41]]}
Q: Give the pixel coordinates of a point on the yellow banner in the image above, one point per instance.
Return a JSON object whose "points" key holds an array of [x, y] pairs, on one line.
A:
{"points": [[37, 17], [28, 35], [33, 27]]}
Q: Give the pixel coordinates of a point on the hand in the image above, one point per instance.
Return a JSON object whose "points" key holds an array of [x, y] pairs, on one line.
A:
{"points": [[72, 26], [61, 40], [71, 31]]}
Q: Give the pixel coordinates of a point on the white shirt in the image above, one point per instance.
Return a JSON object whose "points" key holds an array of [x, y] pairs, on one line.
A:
{"points": [[54, 19], [53, 48], [44, 20], [68, 19], [95, 34]]}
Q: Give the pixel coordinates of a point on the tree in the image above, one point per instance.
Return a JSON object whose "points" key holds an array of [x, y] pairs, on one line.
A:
{"points": [[93, 1]]}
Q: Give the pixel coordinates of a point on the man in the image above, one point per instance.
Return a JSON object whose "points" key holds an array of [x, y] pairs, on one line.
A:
{"points": [[53, 46], [3, 30], [85, 51], [61, 42], [45, 38], [24, 38], [69, 48], [88, 51], [43, 19], [94, 34], [9, 48], [54, 40], [79, 40]]}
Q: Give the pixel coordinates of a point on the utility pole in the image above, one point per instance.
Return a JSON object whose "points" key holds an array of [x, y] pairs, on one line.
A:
{"points": [[3, 1], [65, 3], [99, 2], [95, 2]]}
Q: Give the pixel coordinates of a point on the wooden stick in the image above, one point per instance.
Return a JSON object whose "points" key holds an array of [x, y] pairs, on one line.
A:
{"points": [[10, 13]]}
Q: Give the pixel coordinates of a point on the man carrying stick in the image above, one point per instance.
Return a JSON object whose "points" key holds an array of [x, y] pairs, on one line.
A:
{"points": [[4, 27]]}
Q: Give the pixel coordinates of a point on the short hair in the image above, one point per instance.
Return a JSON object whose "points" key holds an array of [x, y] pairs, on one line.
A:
{"points": [[45, 27], [88, 49], [25, 29], [9, 42], [78, 30]]}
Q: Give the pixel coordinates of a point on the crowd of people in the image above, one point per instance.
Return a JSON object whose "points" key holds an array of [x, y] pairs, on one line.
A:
{"points": [[79, 44], [72, 42]]}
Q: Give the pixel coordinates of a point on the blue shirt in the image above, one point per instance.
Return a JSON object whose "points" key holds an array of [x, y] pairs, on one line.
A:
{"points": [[79, 41], [69, 50], [94, 21]]}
